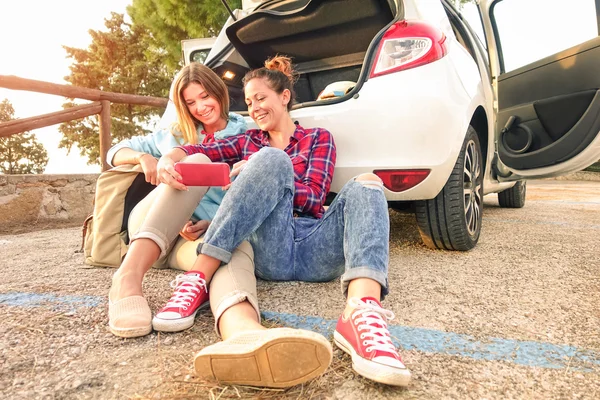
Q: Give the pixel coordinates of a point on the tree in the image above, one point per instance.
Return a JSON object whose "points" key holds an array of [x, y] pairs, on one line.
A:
{"points": [[460, 3], [171, 21], [20, 153], [123, 59]]}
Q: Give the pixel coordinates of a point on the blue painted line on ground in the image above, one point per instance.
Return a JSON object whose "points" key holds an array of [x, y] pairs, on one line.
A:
{"points": [[48, 300], [521, 352], [528, 353]]}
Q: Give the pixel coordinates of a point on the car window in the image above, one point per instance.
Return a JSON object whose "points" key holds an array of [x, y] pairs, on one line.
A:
{"points": [[199, 55], [529, 30]]}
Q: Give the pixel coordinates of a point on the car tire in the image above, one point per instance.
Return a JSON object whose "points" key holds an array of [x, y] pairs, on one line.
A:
{"points": [[452, 220], [513, 197]]}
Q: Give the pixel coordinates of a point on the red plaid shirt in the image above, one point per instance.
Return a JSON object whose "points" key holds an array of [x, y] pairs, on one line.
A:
{"points": [[312, 152]]}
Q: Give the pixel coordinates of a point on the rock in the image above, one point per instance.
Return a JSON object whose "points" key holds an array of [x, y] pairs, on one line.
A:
{"points": [[351, 390], [76, 384], [18, 382], [58, 183]]}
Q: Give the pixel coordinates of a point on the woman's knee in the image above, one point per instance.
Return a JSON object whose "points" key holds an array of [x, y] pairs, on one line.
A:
{"points": [[197, 158], [270, 168], [370, 180], [245, 249], [272, 157]]}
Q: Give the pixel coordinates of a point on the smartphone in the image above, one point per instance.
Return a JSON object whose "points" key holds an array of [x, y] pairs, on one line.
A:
{"points": [[207, 174]]}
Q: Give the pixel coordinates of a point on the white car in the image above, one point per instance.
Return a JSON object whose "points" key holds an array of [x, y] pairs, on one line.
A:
{"points": [[410, 93]]}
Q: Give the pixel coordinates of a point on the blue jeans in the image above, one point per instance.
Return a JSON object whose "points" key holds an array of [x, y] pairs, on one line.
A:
{"points": [[351, 240]]}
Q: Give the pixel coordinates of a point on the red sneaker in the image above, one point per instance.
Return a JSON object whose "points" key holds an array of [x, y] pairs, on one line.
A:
{"points": [[366, 338], [190, 295]]}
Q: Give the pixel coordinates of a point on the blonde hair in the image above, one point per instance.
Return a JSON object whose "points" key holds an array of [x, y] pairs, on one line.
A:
{"points": [[214, 86], [279, 75]]}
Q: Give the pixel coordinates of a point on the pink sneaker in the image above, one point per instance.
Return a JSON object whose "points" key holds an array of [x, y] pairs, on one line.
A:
{"points": [[190, 295], [366, 338]]}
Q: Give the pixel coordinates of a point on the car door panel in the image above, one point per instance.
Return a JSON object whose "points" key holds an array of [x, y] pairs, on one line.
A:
{"points": [[530, 144], [555, 107], [569, 71], [548, 112]]}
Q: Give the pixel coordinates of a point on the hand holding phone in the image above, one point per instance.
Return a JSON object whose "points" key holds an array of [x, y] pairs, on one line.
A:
{"points": [[205, 174], [235, 171]]}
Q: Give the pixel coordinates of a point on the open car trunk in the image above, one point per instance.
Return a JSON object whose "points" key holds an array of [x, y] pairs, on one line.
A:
{"points": [[326, 39]]}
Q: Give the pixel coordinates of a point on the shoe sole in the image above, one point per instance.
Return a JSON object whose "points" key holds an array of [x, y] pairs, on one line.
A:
{"points": [[370, 369], [281, 362], [177, 325], [130, 332]]}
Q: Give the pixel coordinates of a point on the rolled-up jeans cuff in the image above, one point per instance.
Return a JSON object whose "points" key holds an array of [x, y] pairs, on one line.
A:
{"points": [[231, 300], [365, 272], [156, 236], [214, 252]]}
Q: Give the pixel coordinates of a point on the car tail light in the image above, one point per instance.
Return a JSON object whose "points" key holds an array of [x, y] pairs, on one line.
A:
{"points": [[399, 180], [408, 44]]}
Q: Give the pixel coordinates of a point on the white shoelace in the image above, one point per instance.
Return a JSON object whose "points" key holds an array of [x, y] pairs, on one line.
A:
{"points": [[373, 337], [192, 285]]}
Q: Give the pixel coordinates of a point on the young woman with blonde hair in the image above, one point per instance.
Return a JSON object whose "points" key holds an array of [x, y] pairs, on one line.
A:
{"points": [[201, 103]]}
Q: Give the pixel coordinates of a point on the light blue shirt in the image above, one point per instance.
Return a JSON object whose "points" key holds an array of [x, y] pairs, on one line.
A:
{"points": [[162, 141]]}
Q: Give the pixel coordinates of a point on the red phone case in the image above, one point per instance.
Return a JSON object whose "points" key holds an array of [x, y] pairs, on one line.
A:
{"points": [[211, 174]]}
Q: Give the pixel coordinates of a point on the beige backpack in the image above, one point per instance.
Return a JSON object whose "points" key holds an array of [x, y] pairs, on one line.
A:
{"points": [[118, 190]]}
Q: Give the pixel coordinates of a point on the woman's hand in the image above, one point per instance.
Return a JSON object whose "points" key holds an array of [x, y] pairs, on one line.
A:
{"points": [[192, 231], [167, 173], [235, 171], [148, 163]]}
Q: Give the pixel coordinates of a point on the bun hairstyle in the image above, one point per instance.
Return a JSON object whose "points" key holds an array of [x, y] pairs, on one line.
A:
{"points": [[278, 73]]}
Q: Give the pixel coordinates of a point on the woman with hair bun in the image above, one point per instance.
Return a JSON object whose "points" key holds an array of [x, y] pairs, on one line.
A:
{"points": [[283, 174]]}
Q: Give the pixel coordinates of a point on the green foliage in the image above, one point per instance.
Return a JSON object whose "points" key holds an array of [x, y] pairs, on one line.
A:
{"points": [[171, 21], [123, 59], [20, 153], [594, 167], [460, 3]]}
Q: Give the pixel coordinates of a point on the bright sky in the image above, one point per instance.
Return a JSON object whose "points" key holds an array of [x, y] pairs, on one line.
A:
{"points": [[32, 33], [31, 37]]}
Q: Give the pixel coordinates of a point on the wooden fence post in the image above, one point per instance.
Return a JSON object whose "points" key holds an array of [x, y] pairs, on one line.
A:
{"points": [[105, 136]]}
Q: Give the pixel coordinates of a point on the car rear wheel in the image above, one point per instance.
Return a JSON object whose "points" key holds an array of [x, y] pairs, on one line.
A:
{"points": [[513, 197], [452, 220]]}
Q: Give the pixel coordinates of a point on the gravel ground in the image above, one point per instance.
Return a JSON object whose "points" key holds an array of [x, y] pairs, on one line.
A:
{"points": [[534, 276]]}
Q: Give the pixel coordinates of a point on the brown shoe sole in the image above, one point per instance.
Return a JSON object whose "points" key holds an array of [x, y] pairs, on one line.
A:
{"points": [[281, 362]]}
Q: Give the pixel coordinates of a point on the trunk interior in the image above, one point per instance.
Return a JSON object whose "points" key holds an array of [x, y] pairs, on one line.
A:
{"points": [[326, 39]]}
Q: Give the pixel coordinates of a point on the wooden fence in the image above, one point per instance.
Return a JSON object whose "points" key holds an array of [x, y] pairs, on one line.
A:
{"points": [[101, 102]]}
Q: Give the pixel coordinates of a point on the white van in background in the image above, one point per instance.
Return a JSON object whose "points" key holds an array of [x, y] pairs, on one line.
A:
{"points": [[196, 50]]}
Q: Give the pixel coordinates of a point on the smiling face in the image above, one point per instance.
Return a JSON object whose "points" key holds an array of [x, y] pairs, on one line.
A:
{"points": [[266, 107], [202, 106]]}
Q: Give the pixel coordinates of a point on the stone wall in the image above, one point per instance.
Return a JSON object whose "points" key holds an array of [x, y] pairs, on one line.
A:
{"points": [[33, 202]]}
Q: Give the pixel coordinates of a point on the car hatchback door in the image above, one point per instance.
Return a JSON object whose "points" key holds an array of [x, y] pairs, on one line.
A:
{"points": [[544, 59]]}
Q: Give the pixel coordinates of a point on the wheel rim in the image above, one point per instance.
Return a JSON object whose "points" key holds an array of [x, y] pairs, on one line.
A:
{"points": [[472, 188]]}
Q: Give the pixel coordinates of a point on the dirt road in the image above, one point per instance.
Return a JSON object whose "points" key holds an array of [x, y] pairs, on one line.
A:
{"points": [[517, 317]]}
